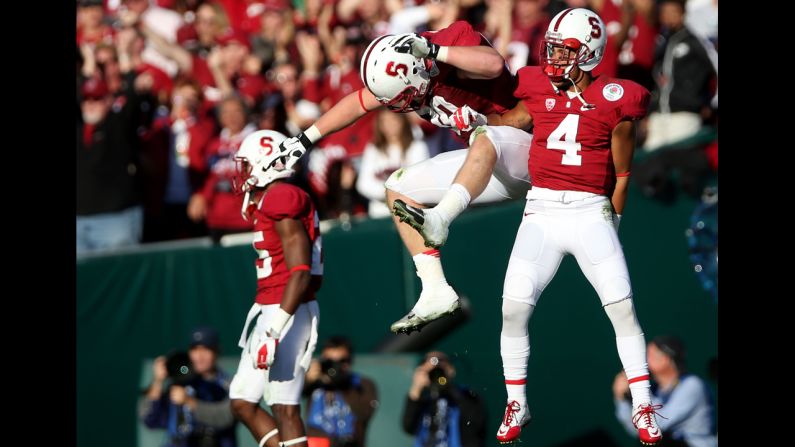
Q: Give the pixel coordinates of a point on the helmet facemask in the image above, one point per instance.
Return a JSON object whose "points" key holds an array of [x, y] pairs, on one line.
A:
{"points": [[243, 180], [405, 101], [249, 177], [559, 56], [411, 98]]}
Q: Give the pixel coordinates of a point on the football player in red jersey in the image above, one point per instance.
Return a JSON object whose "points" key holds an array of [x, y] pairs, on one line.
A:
{"points": [[289, 267], [433, 74], [579, 164]]}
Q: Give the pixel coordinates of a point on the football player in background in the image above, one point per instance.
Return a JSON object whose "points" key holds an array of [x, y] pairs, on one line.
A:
{"points": [[278, 351]]}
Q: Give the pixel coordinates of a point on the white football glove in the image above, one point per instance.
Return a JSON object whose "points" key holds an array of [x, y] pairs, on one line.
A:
{"points": [[460, 119], [418, 46], [262, 350], [294, 148], [616, 221]]}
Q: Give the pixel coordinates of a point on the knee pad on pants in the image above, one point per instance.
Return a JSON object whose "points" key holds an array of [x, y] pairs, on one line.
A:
{"points": [[615, 289], [520, 283], [393, 180]]}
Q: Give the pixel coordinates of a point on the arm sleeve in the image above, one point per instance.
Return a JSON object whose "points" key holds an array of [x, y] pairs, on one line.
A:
{"points": [[460, 33], [285, 202], [637, 105], [523, 81]]}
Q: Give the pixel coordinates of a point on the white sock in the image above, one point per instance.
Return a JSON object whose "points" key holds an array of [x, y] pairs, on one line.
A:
{"points": [[632, 351], [454, 202], [515, 352], [429, 269]]}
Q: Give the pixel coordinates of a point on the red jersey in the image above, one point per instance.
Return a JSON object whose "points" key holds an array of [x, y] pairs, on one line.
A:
{"points": [[486, 96], [283, 201], [571, 146]]}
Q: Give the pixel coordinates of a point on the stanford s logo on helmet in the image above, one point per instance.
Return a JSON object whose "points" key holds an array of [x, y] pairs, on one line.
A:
{"points": [[398, 80], [575, 37], [259, 162]]}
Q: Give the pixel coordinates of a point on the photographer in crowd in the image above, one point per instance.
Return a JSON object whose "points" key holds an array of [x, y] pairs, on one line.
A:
{"points": [[439, 412], [189, 396], [341, 402]]}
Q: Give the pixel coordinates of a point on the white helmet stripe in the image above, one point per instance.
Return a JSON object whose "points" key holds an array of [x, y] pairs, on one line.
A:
{"points": [[560, 19]]}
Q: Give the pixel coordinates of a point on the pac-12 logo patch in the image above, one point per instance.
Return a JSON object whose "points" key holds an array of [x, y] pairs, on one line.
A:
{"points": [[550, 103], [613, 92]]}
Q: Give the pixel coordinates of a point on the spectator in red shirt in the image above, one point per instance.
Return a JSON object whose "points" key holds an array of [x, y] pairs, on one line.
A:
{"points": [[90, 29], [217, 203]]}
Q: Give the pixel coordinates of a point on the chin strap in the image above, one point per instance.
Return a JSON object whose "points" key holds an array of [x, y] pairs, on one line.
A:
{"points": [[244, 208], [578, 93]]}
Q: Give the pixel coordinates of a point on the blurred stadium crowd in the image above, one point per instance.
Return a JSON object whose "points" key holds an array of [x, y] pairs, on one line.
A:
{"points": [[168, 89]]}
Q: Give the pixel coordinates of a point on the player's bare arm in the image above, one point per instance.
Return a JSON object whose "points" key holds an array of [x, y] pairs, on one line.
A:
{"points": [[517, 117], [349, 109], [481, 62], [297, 257], [475, 62], [623, 148]]}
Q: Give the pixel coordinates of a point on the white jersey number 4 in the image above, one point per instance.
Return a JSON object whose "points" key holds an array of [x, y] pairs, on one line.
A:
{"points": [[556, 140]]}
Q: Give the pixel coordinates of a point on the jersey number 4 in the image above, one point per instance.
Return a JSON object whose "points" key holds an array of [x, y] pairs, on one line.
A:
{"points": [[565, 138]]}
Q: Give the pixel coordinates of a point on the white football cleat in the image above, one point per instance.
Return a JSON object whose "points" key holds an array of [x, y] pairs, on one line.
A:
{"points": [[433, 303], [427, 222]]}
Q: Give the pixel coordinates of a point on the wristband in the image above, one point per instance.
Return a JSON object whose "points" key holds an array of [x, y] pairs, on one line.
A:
{"points": [[300, 267], [312, 135], [278, 321], [441, 54]]}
